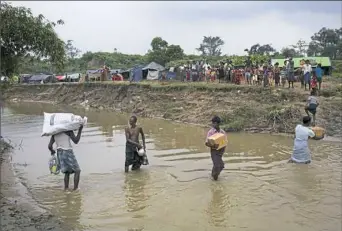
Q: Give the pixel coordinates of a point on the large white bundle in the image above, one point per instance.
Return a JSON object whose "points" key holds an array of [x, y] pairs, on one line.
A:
{"points": [[55, 123]]}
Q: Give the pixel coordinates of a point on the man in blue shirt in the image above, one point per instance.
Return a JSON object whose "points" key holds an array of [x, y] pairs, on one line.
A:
{"points": [[319, 75]]}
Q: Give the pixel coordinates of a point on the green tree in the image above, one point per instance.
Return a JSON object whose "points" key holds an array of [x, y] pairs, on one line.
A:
{"points": [[71, 51], [163, 53], [326, 42], [288, 52], [211, 46], [24, 35], [258, 49], [300, 47]]}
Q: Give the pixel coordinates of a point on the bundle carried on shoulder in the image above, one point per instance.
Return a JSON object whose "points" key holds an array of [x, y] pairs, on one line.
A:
{"points": [[319, 132], [55, 123]]}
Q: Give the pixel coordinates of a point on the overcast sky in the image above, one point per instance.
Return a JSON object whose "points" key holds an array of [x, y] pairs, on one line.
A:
{"points": [[130, 26]]}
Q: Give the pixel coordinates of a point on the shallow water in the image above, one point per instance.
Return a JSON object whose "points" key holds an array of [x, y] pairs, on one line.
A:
{"points": [[257, 190]]}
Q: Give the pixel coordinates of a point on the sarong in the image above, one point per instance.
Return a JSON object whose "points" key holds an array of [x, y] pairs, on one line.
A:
{"points": [[307, 78], [277, 78], [67, 162], [132, 157], [290, 76], [301, 152]]}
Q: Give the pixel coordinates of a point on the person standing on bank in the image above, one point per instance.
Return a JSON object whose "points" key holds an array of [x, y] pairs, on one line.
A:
{"points": [[133, 146], [66, 159], [307, 69], [216, 155], [290, 72]]}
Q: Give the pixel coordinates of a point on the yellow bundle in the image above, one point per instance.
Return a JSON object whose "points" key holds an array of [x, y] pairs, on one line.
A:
{"points": [[220, 139], [319, 132]]}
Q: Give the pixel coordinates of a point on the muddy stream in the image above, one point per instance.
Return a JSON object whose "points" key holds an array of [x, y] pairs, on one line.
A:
{"points": [[257, 191]]}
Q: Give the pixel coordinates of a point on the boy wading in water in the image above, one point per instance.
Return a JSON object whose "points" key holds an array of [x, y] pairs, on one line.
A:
{"points": [[216, 155], [133, 145], [67, 162]]}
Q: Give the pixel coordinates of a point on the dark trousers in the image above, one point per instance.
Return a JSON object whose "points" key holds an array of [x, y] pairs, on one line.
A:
{"points": [[218, 164]]}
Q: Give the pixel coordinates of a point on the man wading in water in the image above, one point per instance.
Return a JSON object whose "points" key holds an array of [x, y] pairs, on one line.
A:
{"points": [[133, 145], [216, 155], [301, 153], [67, 162]]}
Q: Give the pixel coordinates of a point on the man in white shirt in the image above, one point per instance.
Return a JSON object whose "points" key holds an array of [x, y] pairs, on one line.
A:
{"points": [[301, 153], [307, 69]]}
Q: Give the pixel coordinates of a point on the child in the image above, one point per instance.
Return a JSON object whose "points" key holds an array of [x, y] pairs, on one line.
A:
{"points": [[255, 76], [248, 76], [283, 76], [319, 75], [313, 82], [265, 76], [277, 74], [216, 155], [311, 106], [270, 76]]}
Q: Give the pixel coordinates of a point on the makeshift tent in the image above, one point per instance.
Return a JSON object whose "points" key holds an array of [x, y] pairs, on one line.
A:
{"points": [[152, 75], [25, 78], [113, 71], [171, 75], [136, 74], [152, 71], [154, 66], [42, 78], [324, 61]]}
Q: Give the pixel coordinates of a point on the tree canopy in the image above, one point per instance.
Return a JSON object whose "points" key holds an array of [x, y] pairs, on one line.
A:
{"points": [[211, 46], [29, 44], [23, 35], [163, 53]]}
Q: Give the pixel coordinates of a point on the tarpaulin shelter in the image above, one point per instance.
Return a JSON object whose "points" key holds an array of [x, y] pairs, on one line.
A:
{"points": [[42, 78], [136, 73], [152, 71]]}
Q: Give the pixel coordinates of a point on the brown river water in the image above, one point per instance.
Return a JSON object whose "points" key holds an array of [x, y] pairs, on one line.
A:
{"points": [[257, 190]]}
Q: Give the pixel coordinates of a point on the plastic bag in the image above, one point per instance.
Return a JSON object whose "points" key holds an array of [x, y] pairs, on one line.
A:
{"points": [[53, 165], [55, 123]]}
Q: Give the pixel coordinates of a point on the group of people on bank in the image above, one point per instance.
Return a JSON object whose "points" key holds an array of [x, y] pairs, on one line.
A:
{"points": [[264, 74]]}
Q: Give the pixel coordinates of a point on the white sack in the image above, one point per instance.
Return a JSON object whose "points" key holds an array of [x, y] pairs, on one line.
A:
{"points": [[55, 123]]}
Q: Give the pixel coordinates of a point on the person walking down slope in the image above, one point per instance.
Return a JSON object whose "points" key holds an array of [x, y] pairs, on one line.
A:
{"points": [[216, 155], [301, 153], [312, 104]]}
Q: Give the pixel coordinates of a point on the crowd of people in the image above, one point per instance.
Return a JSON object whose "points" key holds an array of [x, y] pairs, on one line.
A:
{"points": [[264, 74]]}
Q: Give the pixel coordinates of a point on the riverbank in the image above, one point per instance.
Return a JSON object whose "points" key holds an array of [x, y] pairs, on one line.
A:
{"points": [[16, 212], [242, 108]]}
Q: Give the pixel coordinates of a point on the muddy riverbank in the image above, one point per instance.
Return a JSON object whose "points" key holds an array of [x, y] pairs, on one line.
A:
{"points": [[247, 108], [16, 212]]}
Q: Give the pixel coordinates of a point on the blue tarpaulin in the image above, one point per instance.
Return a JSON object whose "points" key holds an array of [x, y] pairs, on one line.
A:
{"points": [[137, 74], [170, 75]]}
